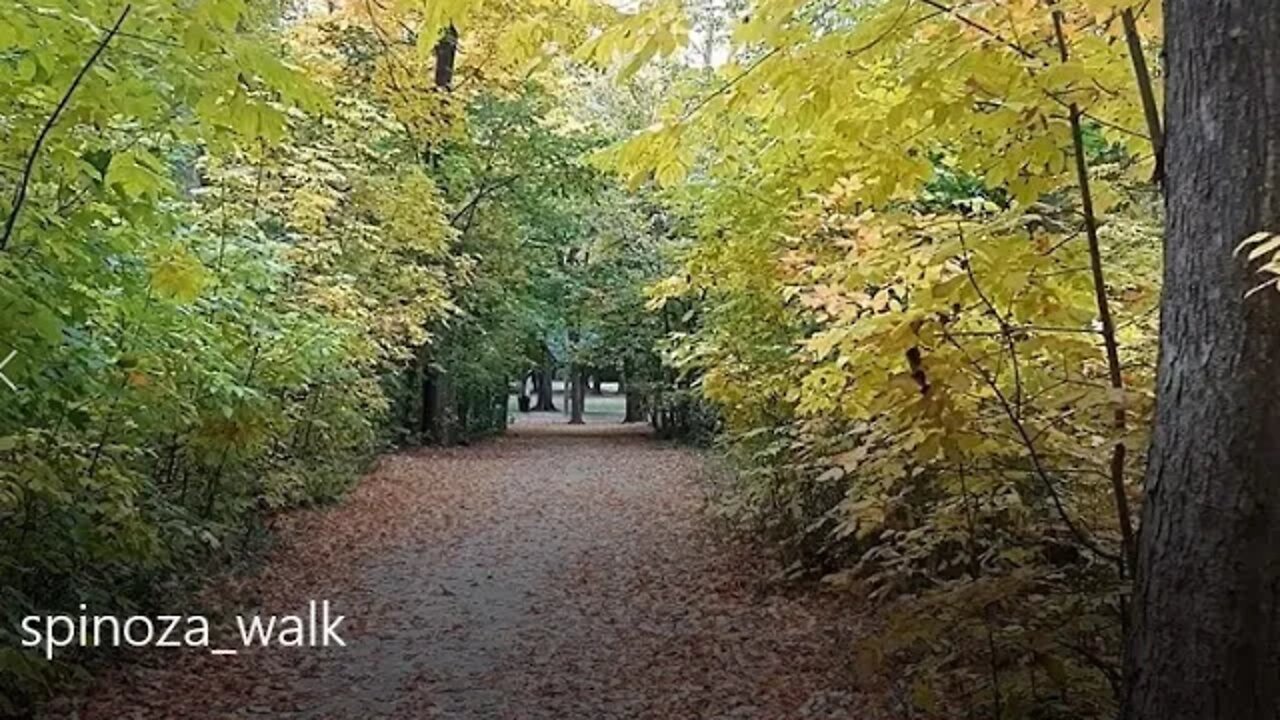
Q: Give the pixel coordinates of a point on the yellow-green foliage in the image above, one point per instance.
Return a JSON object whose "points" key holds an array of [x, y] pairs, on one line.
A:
{"points": [[237, 230], [228, 240], [898, 320]]}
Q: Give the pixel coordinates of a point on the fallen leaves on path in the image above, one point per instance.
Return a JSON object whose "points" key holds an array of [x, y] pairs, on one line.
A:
{"points": [[556, 573]]}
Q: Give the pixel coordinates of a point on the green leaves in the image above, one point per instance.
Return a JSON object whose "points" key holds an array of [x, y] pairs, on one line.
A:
{"points": [[177, 274], [174, 366], [137, 174]]}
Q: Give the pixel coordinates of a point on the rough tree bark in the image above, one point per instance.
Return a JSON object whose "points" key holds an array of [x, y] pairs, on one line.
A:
{"points": [[435, 388], [446, 51], [435, 399], [635, 399], [1206, 636], [545, 390], [577, 392]]}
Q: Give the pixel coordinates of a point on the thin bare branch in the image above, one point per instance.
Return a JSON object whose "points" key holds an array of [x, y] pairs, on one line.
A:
{"points": [[1110, 345], [20, 194], [989, 32], [1143, 77]]}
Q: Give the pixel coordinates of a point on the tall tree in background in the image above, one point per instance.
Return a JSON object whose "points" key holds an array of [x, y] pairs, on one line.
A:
{"points": [[1206, 640], [435, 385]]}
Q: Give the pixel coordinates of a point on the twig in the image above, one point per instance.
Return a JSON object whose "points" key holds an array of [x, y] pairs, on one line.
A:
{"points": [[728, 85], [380, 34], [481, 195], [1033, 453], [1005, 331], [1025, 53]]}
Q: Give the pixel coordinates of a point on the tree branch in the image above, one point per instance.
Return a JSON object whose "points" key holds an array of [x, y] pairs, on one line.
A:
{"points": [[1033, 454], [1145, 90], [480, 196], [20, 194], [1025, 53], [19, 197], [1128, 546]]}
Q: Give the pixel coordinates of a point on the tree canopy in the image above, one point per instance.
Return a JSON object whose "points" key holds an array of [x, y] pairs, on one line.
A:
{"points": [[900, 259]]}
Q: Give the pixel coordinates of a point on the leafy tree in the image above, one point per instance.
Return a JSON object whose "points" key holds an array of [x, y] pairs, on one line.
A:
{"points": [[921, 285], [229, 234]]}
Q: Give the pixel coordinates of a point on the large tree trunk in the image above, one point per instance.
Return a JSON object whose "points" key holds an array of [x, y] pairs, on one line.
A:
{"points": [[435, 389], [634, 407], [435, 401], [635, 400], [546, 391], [1206, 636]]}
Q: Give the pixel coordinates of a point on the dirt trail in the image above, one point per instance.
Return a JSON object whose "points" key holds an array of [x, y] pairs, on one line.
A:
{"points": [[556, 573]]}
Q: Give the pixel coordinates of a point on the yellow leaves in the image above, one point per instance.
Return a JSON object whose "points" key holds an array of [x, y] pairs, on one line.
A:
{"points": [[310, 209], [27, 68], [669, 288], [634, 40], [177, 274], [670, 172], [438, 15], [833, 139], [222, 15], [905, 96], [290, 83], [137, 173], [1106, 196], [11, 33], [902, 289], [374, 250], [821, 345], [1263, 244], [773, 23], [829, 302], [521, 41], [236, 430], [402, 206], [1064, 80], [923, 274], [657, 153], [249, 117], [820, 390]]}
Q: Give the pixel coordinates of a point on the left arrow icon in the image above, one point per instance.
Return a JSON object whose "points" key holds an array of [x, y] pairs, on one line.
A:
{"points": [[3, 378]]}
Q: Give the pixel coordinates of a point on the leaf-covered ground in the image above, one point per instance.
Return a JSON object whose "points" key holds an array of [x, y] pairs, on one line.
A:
{"points": [[555, 573]]}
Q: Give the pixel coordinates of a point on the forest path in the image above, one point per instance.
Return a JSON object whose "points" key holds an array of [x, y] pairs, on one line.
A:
{"points": [[559, 572]]}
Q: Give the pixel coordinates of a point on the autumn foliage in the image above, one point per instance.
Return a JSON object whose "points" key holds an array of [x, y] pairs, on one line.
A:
{"points": [[925, 259], [900, 259]]}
